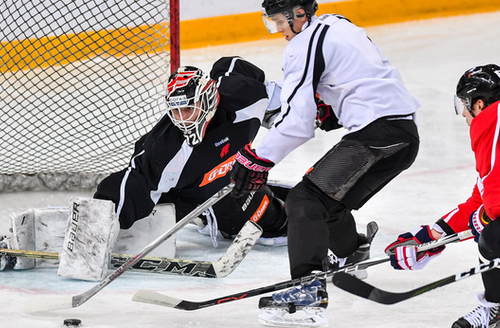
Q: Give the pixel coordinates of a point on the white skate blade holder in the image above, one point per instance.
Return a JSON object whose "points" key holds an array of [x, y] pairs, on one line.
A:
{"points": [[306, 317]]}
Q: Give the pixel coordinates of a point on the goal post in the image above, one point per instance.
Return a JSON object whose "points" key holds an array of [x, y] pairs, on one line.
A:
{"points": [[80, 82]]}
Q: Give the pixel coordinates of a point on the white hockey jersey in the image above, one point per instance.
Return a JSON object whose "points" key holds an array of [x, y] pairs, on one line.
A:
{"points": [[337, 60]]}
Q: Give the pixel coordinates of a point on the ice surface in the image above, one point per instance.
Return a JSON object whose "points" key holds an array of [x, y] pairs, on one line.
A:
{"points": [[431, 55]]}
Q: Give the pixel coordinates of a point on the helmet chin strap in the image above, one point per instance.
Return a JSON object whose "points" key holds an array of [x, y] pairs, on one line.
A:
{"points": [[294, 30], [298, 16]]}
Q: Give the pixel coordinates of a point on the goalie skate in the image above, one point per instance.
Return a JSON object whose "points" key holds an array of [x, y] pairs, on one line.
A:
{"points": [[5, 260]]}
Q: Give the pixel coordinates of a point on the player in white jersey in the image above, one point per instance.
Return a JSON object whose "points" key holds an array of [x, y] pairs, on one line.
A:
{"points": [[331, 59]]}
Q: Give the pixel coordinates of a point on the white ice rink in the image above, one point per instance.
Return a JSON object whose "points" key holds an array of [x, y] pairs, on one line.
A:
{"points": [[431, 55]]}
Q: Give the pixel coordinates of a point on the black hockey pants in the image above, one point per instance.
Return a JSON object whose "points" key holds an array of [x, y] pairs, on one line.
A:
{"points": [[489, 248], [319, 207]]}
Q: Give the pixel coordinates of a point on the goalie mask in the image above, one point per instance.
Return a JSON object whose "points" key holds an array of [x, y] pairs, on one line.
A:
{"points": [[480, 82], [272, 8], [192, 100]]}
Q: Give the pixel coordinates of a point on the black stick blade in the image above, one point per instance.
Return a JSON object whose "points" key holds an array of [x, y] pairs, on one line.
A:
{"points": [[360, 288]]}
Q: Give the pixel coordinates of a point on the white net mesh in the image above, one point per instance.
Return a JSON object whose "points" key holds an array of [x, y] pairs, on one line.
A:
{"points": [[80, 81]]}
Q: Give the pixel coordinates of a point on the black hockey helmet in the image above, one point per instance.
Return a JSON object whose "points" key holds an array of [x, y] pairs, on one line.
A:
{"points": [[273, 7], [479, 82], [192, 99]]}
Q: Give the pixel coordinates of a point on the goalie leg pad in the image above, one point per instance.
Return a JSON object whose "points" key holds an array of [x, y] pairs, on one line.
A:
{"points": [[133, 239], [91, 233], [23, 237]]}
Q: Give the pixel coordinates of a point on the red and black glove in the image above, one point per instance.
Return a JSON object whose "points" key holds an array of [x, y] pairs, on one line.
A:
{"points": [[249, 172], [325, 118], [477, 221]]}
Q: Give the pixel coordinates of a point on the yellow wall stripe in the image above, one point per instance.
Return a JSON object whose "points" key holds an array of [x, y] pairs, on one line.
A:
{"points": [[249, 27], [59, 50]]}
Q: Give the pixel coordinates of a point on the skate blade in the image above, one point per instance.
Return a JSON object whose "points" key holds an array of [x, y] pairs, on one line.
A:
{"points": [[306, 317]]}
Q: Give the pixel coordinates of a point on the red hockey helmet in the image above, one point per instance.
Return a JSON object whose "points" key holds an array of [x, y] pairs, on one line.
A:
{"points": [[192, 99]]}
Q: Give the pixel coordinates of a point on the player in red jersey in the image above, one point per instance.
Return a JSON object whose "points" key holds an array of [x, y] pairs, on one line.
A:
{"points": [[478, 100]]}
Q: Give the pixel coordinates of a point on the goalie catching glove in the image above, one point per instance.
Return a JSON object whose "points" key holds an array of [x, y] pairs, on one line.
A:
{"points": [[403, 251], [249, 172]]}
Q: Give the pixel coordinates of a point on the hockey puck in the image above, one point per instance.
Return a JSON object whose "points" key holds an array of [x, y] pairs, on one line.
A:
{"points": [[72, 322]]}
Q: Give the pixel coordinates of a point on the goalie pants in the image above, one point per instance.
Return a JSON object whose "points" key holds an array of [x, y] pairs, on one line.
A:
{"points": [[231, 214], [261, 207], [319, 207], [489, 248]]}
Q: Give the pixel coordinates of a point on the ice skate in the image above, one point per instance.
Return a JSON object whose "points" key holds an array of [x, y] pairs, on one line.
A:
{"points": [[361, 254], [486, 315], [300, 306]]}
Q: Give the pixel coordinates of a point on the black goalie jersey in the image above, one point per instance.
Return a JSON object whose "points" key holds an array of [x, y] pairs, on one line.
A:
{"points": [[164, 168]]}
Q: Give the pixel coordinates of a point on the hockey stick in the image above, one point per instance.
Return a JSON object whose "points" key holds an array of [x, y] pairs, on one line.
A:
{"points": [[79, 299], [147, 264], [151, 297], [220, 268], [360, 288]]}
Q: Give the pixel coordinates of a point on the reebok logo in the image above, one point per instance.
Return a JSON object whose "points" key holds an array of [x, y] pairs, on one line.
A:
{"points": [[218, 143]]}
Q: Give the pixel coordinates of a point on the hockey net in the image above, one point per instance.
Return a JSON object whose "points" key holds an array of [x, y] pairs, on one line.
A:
{"points": [[80, 82]]}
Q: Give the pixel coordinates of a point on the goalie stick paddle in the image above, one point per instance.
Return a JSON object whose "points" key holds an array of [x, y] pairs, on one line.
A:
{"points": [[360, 288], [79, 299], [146, 296], [147, 264], [225, 265]]}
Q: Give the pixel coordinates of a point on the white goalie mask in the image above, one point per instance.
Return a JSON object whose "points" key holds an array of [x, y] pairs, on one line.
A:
{"points": [[192, 100]]}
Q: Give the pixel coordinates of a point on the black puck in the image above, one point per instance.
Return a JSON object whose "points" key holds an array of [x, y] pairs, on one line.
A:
{"points": [[72, 322]]}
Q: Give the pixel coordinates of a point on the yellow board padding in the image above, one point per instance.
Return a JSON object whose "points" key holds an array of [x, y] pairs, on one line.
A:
{"points": [[249, 27], [60, 50]]}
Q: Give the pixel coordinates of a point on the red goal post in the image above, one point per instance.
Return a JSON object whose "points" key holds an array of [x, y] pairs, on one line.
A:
{"points": [[80, 82]]}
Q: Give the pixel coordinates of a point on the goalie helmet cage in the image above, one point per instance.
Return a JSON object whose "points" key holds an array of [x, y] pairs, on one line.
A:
{"points": [[80, 82]]}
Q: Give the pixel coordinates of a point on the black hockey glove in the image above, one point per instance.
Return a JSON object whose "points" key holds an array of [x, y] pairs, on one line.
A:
{"points": [[326, 119], [249, 172]]}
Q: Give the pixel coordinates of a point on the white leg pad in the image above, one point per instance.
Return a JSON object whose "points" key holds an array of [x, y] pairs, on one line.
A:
{"points": [[23, 237], [144, 231], [39, 229], [91, 233], [50, 228], [44, 230]]}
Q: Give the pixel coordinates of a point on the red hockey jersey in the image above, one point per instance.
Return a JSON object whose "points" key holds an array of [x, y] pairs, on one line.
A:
{"points": [[484, 132]]}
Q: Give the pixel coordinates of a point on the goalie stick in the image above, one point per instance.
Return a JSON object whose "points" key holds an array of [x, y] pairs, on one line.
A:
{"points": [[220, 268], [77, 300], [360, 288], [147, 296]]}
